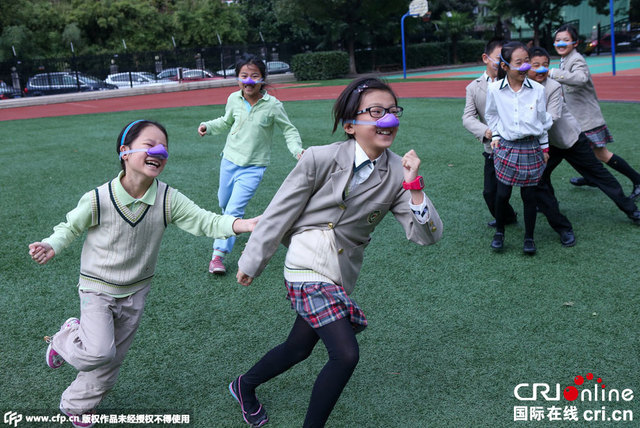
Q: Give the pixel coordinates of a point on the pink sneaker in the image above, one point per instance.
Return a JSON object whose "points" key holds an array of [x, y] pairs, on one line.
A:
{"points": [[216, 266], [52, 358], [79, 421]]}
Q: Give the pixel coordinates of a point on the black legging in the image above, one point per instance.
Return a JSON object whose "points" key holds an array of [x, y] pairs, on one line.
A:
{"points": [[339, 339], [528, 194]]}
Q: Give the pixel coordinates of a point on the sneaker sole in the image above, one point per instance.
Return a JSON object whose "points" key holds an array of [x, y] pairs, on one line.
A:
{"points": [[46, 357], [233, 394]]}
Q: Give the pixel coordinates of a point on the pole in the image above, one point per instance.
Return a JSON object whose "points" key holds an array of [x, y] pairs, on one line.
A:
{"points": [[404, 54], [613, 38]]}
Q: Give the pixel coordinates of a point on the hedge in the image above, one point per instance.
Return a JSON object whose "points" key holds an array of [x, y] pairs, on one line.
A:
{"points": [[418, 55], [320, 65]]}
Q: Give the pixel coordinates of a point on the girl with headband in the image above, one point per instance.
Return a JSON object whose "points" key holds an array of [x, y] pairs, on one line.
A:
{"points": [[517, 116], [582, 101], [250, 116], [125, 220], [325, 212]]}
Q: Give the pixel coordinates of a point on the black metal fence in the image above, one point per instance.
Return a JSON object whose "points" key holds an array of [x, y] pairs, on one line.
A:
{"points": [[214, 59]]}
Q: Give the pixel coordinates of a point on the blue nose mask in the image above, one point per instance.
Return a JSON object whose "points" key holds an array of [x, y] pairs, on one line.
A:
{"points": [[563, 44], [250, 81], [541, 70], [387, 121], [155, 152]]}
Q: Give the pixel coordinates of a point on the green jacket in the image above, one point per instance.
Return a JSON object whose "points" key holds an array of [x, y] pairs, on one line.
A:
{"points": [[251, 129]]}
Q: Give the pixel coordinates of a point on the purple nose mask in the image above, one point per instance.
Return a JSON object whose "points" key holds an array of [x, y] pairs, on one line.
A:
{"points": [[155, 152], [250, 81], [523, 68], [387, 121]]}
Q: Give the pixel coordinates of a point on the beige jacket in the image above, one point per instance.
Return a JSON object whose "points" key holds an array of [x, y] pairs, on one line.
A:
{"points": [[579, 92], [311, 197], [473, 116], [566, 129]]}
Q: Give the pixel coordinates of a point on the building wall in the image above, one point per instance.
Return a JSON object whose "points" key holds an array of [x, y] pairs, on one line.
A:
{"points": [[586, 14]]}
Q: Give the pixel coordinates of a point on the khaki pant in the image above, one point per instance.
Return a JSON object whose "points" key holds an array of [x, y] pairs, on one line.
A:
{"points": [[97, 346]]}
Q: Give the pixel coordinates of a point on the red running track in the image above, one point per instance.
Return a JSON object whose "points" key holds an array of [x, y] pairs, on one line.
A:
{"points": [[609, 88]]}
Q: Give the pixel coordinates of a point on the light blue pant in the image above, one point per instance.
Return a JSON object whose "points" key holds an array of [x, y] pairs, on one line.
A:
{"points": [[237, 186]]}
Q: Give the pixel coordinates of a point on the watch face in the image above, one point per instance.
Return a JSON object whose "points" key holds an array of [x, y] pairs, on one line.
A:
{"points": [[420, 183]]}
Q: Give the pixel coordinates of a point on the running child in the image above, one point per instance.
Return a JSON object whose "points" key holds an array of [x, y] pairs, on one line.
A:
{"points": [[325, 212], [582, 101], [567, 142], [125, 220], [516, 114], [474, 121], [249, 118]]}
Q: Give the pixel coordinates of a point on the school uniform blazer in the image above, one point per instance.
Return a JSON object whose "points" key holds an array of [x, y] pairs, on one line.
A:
{"points": [[565, 130], [311, 197], [579, 92], [473, 115]]}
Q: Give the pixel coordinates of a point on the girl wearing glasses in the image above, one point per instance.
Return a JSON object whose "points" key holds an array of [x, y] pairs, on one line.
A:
{"points": [[249, 118], [325, 212]]}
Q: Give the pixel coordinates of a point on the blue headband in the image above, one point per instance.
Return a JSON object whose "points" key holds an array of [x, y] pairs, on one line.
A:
{"points": [[124, 134]]}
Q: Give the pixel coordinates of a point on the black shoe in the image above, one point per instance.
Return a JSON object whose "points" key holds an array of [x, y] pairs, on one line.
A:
{"points": [[255, 417], [529, 247], [567, 238], [635, 217], [492, 223], [498, 241], [580, 181], [635, 193]]}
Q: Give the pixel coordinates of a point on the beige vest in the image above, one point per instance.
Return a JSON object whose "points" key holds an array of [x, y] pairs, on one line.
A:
{"points": [[121, 249]]}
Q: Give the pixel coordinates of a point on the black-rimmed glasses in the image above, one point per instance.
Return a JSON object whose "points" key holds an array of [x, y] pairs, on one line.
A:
{"points": [[377, 112]]}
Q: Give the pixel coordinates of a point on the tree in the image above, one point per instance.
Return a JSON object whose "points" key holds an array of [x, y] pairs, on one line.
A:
{"points": [[346, 23], [536, 13], [454, 25]]}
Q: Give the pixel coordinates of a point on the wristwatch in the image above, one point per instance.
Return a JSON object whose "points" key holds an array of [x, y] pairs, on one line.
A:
{"points": [[417, 184]]}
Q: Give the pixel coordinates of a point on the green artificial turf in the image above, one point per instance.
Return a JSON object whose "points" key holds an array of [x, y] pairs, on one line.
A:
{"points": [[453, 327]]}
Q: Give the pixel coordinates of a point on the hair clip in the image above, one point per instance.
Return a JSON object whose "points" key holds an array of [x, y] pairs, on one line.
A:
{"points": [[361, 87]]}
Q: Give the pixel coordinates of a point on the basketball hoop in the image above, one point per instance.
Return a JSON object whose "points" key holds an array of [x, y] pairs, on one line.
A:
{"points": [[419, 8]]}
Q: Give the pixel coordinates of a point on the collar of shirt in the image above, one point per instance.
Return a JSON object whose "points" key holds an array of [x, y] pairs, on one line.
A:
{"points": [[125, 198], [525, 84], [361, 157], [486, 77]]}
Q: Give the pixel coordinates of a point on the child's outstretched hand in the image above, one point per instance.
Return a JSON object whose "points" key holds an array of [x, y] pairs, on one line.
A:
{"points": [[244, 279], [242, 225], [41, 252], [202, 130]]}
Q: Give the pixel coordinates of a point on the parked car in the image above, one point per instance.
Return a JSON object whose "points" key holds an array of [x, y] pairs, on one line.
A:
{"points": [[135, 78], [229, 72], [273, 67], [195, 74], [277, 67], [63, 82], [170, 73], [7, 91], [623, 43]]}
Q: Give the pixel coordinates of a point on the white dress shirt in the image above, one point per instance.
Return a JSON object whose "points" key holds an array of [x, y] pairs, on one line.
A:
{"points": [[514, 115]]}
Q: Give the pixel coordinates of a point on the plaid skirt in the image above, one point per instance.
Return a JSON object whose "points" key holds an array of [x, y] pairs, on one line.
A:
{"points": [[519, 163], [599, 137], [321, 303]]}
